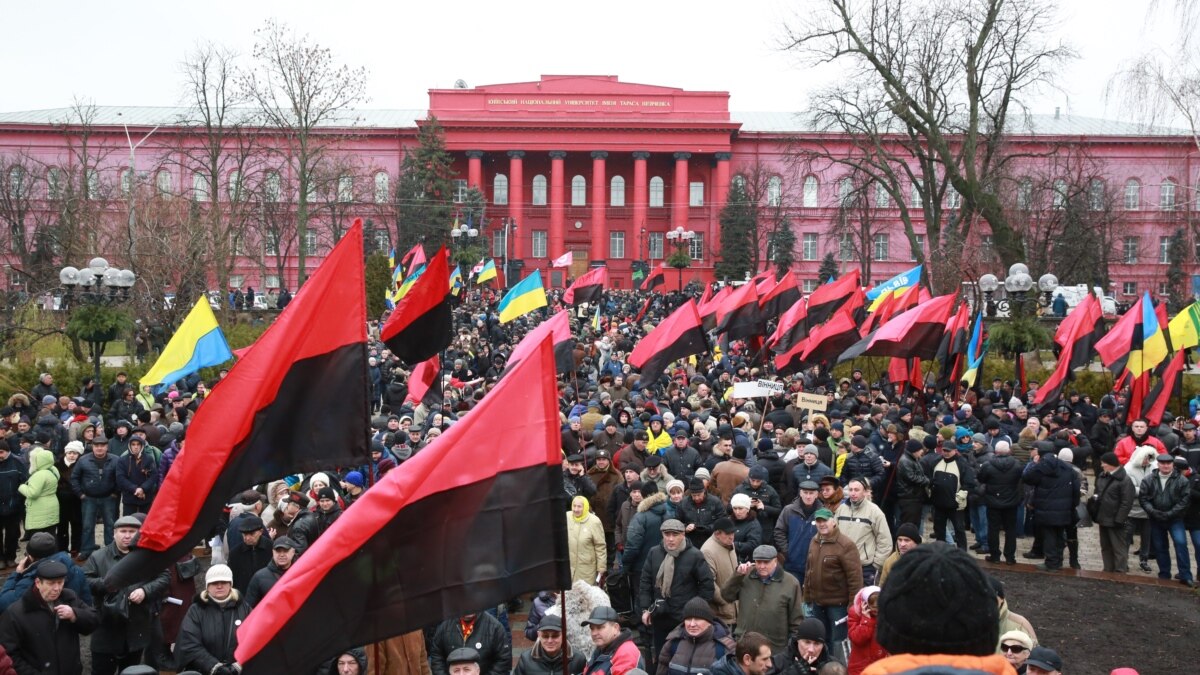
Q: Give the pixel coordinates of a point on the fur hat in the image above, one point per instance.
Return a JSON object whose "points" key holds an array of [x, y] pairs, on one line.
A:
{"points": [[938, 601]]}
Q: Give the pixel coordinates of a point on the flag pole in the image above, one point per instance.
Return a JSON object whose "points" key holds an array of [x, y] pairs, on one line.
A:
{"points": [[562, 598]]}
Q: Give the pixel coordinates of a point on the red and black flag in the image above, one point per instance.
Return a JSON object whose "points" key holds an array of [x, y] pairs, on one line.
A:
{"points": [[829, 297], [1081, 339], [657, 278], [739, 316], [421, 325], [831, 338], [424, 385], [678, 336], [295, 403], [1170, 381], [782, 297], [1114, 347], [708, 308], [587, 288], [792, 328], [454, 530], [915, 333], [953, 347], [558, 329]]}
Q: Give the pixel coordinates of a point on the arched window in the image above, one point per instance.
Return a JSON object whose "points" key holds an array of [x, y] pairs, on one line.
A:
{"points": [[163, 182], [345, 193], [54, 182], [500, 189], [1133, 195], [272, 187], [656, 191], [16, 182], [1059, 199], [774, 191], [845, 189], [539, 190], [882, 199], [578, 191], [617, 191], [1166, 195], [1096, 194], [810, 192], [953, 199], [382, 192], [916, 200], [200, 187]]}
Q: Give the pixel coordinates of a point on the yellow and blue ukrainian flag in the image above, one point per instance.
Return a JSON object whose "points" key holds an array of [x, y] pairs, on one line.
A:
{"points": [[487, 273], [1153, 347], [894, 286], [523, 298], [456, 280], [199, 343]]}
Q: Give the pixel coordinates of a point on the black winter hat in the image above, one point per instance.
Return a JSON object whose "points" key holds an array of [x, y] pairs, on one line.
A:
{"points": [[698, 608], [810, 629], [938, 601], [930, 442], [859, 441], [913, 445]]}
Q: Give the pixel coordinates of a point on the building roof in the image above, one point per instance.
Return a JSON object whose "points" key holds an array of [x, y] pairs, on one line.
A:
{"points": [[760, 122]]}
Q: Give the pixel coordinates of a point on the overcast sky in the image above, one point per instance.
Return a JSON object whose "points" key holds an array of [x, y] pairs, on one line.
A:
{"points": [[128, 53]]}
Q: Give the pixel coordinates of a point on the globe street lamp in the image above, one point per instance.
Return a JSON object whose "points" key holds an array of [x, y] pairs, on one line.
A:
{"points": [[681, 238], [465, 235], [97, 285], [1017, 285]]}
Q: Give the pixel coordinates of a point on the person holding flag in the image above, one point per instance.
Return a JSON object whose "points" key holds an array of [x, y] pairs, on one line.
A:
{"points": [[199, 343]]}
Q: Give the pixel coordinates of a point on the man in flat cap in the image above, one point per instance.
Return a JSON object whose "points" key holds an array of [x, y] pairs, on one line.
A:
{"points": [[768, 598], [674, 572], [546, 655], [615, 652], [41, 631]]}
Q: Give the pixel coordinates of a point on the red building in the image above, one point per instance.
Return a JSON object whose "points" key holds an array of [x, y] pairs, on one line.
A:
{"points": [[608, 171]]}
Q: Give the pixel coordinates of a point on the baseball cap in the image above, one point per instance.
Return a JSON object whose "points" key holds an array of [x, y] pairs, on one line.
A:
{"points": [[601, 616], [1044, 658], [823, 514]]}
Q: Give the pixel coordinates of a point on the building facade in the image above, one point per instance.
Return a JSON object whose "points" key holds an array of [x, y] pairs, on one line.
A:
{"points": [[611, 172]]}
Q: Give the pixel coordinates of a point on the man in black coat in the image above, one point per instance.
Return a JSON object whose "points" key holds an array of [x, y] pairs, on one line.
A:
{"points": [[283, 554], [1000, 479], [1055, 496], [41, 631], [698, 511], [1109, 507], [1165, 495], [481, 632], [254, 553], [912, 485], [208, 636], [679, 569], [764, 499]]}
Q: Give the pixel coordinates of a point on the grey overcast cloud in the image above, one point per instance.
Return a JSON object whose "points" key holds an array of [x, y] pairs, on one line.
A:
{"points": [[128, 53]]}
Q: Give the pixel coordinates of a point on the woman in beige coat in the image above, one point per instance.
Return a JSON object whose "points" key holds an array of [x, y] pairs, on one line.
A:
{"points": [[585, 541]]}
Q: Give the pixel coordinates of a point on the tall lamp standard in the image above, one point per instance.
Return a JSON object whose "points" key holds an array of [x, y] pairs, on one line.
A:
{"points": [[96, 285], [1016, 305], [133, 180], [462, 237], [682, 239], [510, 227]]}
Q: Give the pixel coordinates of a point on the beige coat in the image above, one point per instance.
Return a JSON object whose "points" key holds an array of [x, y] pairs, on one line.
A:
{"points": [[585, 541], [723, 563]]}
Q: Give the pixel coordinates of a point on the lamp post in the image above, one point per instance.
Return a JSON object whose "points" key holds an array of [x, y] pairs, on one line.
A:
{"points": [[96, 285], [510, 226], [681, 238], [133, 177], [457, 237], [1017, 285]]}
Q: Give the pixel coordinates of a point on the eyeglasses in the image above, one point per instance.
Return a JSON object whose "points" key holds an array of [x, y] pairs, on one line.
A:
{"points": [[1015, 649]]}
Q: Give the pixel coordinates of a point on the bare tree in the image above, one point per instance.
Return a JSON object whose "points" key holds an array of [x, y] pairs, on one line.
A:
{"points": [[855, 222], [933, 83], [341, 185], [304, 93], [769, 194]]}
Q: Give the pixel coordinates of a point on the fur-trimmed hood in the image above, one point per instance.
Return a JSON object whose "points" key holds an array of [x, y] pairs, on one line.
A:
{"points": [[649, 502]]}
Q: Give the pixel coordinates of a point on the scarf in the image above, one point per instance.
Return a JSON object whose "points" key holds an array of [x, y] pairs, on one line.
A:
{"points": [[586, 509], [666, 571]]}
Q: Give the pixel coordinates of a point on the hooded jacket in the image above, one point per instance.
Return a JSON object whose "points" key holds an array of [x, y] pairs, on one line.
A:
{"points": [[864, 649], [644, 532], [1055, 490], [1000, 479], [41, 491], [794, 532]]}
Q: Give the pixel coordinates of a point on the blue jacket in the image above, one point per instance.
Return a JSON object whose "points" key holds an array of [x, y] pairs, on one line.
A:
{"points": [[19, 583], [794, 532], [13, 472]]}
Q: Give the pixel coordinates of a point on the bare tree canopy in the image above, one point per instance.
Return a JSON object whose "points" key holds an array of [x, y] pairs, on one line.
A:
{"points": [[928, 89]]}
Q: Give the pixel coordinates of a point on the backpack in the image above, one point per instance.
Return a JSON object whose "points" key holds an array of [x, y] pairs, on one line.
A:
{"points": [[943, 489]]}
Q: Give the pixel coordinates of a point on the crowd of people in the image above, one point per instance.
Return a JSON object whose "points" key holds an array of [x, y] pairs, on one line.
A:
{"points": [[727, 533]]}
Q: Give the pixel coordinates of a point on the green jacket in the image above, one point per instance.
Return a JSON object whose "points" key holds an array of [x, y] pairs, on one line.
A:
{"points": [[40, 491]]}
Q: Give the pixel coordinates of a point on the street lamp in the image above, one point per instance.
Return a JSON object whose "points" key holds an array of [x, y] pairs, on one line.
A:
{"points": [[1017, 285], [98, 285], [133, 176], [510, 226], [681, 238], [459, 234]]}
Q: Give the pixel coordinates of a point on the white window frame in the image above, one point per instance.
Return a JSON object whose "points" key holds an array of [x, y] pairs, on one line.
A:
{"points": [[237, 280], [271, 281], [655, 245], [696, 193], [1164, 250], [273, 187], [234, 186], [1130, 247], [616, 191], [953, 199], [1096, 194], [811, 192], [498, 243], [920, 246], [1132, 200], [1058, 200], [1025, 194], [1129, 288], [696, 246], [310, 242], [540, 242], [845, 189], [880, 247], [200, 187], [657, 188], [382, 187], [883, 200], [810, 285], [345, 188], [1166, 195], [460, 190], [538, 198], [578, 191], [616, 245], [846, 247], [164, 183], [500, 189], [811, 246], [774, 191]]}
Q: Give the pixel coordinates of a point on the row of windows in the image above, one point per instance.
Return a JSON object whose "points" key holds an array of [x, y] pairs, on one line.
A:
{"points": [[579, 195], [1131, 248], [616, 245]]}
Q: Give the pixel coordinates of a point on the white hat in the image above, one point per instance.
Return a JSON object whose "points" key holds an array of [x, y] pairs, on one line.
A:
{"points": [[218, 573], [74, 446], [740, 501]]}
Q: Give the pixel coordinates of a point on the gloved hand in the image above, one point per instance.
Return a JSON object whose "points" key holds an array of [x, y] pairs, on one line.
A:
{"points": [[223, 669]]}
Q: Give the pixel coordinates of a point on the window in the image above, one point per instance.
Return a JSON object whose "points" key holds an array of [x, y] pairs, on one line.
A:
{"points": [[381, 240], [915, 200], [656, 192], [345, 193], [953, 199], [236, 280], [1129, 288], [880, 248], [985, 246], [656, 245], [271, 281], [810, 192], [498, 248], [311, 192], [1129, 250], [696, 193], [92, 179], [920, 247], [1096, 194], [539, 190], [740, 181], [271, 244], [163, 182], [845, 189], [1166, 195], [696, 247], [1059, 198], [1133, 195], [235, 186], [810, 248], [310, 242], [882, 198], [774, 191], [1025, 193], [382, 191], [616, 245], [1164, 250], [846, 247], [1162, 288], [460, 190], [16, 182], [500, 189], [272, 187], [578, 191], [810, 285], [200, 187], [54, 183], [616, 191], [539, 243], [126, 181]]}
